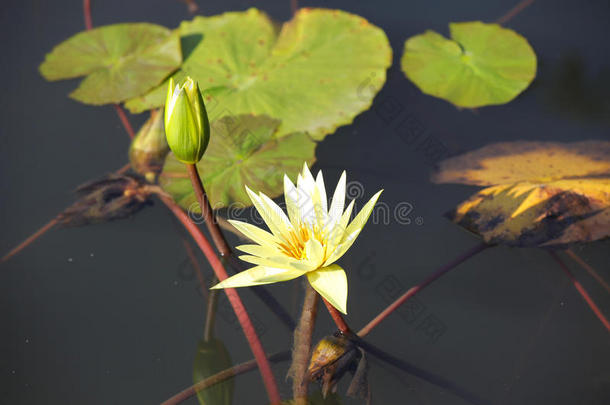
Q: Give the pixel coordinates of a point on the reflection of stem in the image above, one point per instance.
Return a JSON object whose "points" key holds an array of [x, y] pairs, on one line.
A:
{"points": [[414, 290], [416, 371], [195, 264], [210, 316], [225, 250], [522, 5], [235, 301], [581, 290], [302, 346], [588, 268], [221, 376]]}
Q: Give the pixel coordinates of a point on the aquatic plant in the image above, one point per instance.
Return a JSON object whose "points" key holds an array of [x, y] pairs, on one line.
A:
{"points": [[245, 105]]}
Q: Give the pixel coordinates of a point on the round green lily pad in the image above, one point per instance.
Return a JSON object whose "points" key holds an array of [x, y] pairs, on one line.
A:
{"points": [[119, 61], [322, 69], [483, 64], [243, 150]]}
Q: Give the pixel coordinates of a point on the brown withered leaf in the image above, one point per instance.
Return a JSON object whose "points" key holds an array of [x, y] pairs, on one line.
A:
{"points": [[549, 214], [106, 199], [545, 194]]}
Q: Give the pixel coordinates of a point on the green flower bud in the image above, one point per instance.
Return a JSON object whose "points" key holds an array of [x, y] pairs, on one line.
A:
{"points": [[149, 147], [186, 122]]}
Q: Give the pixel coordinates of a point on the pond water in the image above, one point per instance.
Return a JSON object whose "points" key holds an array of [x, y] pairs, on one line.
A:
{"points": [[110, 314]]}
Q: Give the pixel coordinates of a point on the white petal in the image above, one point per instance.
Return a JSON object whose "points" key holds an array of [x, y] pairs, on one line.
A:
{"points": [[358, 223], [255, 233], [305, 181], [260, 251], [338, 202], [291, 196], [273, 261], [257, 276], [314, 252], [322, 190], [278, 214], [331, 283], [340, 249], [269, 215], [346, 215]]}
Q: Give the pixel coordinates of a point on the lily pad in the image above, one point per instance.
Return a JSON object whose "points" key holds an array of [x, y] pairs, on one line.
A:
{"points": [[482, 64], [119, 61], [511, 162], [528, 214], [243, 150], [321, 70], [211, 358]]}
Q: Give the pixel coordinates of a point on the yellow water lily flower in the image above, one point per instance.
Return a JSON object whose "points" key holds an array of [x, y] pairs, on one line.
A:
{"points": [[307, 241]]}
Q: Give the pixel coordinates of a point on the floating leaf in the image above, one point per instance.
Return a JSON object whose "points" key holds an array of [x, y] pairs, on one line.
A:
{"points": [[243, 150], [323, 68], [532, 214], [511, 162], [211, 358], [120, 61], [483, 64]]}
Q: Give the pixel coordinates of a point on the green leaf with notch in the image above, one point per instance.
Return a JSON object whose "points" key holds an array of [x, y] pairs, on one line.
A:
{"points": [[321, 70], [483, 64], [120, 61]]}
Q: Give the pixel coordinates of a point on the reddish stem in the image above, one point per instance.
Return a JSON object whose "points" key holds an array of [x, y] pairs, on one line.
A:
{"points": [[581, 290], [338, 318], [119, 110], [207, 213], [414, 290], [123, 117], [522, 5], [588, 268], [236, 303], [29, 240], [87, 14], [294, 6], [222, 376]]}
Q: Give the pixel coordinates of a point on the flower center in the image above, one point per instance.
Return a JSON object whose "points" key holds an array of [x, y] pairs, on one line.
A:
{"points": [[294, 246]]}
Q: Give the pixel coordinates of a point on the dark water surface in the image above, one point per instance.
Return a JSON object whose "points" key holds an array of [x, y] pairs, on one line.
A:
{"points": [[110, 314]]}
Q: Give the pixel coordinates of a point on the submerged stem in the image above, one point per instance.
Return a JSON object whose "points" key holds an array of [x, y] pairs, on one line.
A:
{"points": [[234, 299], [221, 376], [581, 290], [414, 290], [588, 268], [225, 251], [301, 350]]}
